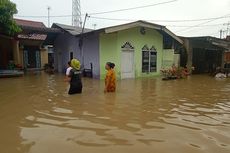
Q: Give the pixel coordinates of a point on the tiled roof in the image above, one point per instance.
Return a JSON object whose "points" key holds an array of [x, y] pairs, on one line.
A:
{"points": [[33, 37], [29, 23]]}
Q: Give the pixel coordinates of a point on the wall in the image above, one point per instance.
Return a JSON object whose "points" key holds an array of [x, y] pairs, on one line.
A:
{"points": [[16, 52], [63, 45], [66, 43], [168, 58], [91, 53], [110, 49], [176, 60], [227, 57], [108, 53], [6, 51]]}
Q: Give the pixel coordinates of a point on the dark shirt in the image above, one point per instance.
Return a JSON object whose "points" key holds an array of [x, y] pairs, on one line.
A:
{"points": [[75, 81], [75, 76]]}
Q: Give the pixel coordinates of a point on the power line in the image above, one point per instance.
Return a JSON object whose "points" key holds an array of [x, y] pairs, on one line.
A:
{"points": [[105, 12], [208, 25], [126, 9], [192, 20], [197, 25], [52, 16], [122, 19], [113, 19], [180, 26], [132, 8]]}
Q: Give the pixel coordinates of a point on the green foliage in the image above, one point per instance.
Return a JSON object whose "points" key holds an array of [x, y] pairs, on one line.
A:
{"points": [[7, 24]]}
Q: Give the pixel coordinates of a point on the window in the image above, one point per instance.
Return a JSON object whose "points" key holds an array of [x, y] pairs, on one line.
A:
{"points": [[153, 61], [145, 59], [149, 59]]}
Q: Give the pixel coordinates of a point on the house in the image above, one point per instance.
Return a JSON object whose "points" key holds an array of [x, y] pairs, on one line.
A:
{"points": [[66, 47], [139, 49], [26, 49], [227, 54], [205, 53]]}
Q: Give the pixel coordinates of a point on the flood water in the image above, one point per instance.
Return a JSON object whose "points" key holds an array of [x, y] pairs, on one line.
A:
{"points": [[144, 116]]}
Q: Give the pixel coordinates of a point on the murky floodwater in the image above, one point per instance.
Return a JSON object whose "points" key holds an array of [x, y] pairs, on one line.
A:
{"points": [[145, 115]]}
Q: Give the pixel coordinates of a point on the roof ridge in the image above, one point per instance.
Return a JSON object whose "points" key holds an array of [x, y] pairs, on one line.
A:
{"points": [[29, 20], [23, 22]]}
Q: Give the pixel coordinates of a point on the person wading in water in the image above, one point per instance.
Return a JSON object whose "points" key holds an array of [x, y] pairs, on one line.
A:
{"points": [[74, 78], [110, 79]]}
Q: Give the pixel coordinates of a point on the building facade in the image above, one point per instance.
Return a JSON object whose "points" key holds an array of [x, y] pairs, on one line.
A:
{"points": [[205, 54], [26, 50], [137, 49]]}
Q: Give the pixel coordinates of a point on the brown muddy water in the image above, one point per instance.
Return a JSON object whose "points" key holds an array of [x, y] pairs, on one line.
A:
{"points": [[143, 116]]}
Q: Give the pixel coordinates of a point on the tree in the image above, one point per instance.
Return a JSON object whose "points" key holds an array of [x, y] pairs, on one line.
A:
{"points": [[7, 24]]}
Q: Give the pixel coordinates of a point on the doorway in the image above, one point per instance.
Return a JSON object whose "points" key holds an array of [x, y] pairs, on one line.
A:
{"points": [[127, 61], [127, 64], [32, 57]]}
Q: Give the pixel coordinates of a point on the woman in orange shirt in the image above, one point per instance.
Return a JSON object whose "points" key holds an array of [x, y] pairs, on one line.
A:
{"points": [[110, 79]]}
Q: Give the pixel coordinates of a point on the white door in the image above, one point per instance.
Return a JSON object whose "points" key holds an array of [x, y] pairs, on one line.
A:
{"points": [[127, 64]]}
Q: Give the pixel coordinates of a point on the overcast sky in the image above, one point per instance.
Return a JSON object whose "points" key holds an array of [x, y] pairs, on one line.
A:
{"points": [[177, 10]]}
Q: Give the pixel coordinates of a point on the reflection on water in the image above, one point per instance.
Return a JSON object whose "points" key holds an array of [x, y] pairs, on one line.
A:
{"points": [[145, 115]]}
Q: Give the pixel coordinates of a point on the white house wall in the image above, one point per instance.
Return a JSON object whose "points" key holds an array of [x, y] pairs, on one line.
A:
{"points": [[91, 53], [66, 43]]}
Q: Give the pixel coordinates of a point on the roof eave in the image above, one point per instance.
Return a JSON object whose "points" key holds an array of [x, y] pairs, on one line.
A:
{"points": [[143, 24], [131, 25], [173, 35]]}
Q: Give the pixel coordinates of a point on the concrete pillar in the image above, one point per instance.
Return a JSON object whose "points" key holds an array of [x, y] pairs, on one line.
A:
{"points": [[223, 59], [44, 56], [16, 54], [188, 47], [21, 53]]}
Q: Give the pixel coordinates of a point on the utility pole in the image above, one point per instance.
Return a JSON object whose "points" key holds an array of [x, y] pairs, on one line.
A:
{"points": [[48, 8], [81, 41], [221, 31], [83, 28], [227, 31], [228, 28]]}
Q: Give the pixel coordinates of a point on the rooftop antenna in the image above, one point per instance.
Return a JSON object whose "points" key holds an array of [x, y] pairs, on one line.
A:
{"points": [[228, 28], [48, 8], [76, 13], [94, 26]]}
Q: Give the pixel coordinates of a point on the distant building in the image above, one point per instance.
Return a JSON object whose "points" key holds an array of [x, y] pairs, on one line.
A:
{"points": [[206, 53], [227, 54], [26, 49], [139, 49]]}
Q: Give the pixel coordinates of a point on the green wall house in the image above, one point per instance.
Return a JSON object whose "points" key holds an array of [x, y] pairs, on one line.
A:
{"points": [[139, 49]]}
